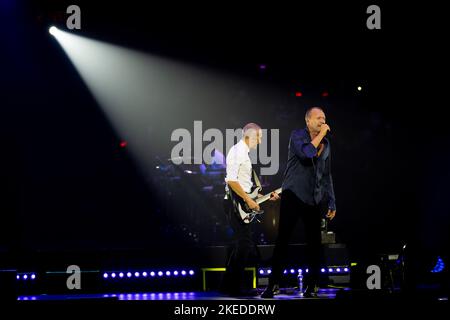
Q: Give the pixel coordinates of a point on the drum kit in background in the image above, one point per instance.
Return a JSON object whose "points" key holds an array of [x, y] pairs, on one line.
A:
{"points": [[191, 197]]}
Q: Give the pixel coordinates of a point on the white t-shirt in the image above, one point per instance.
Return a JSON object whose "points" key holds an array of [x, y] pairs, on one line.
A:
{"points": [[239, 166]]}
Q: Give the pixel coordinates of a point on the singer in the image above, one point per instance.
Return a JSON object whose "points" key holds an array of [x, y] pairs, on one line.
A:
{"points": [[308, 193]]}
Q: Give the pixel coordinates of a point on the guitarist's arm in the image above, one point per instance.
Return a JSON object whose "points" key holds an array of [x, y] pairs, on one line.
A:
{"points": [[236, 187]]}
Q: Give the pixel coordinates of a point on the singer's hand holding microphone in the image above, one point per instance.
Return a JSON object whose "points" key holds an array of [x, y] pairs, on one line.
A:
{"points": [[324, 129]]}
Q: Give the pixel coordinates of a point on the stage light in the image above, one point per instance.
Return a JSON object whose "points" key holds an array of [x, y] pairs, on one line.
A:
{"points": [[136, 274], [183, 273], [113, 275], [269, 271], [292, 271], [152, 274], [129, 274], [261, 271], [298, 94], [307, 270], [160, 273], [25, 277], [144, 274], [191, 272], [300, 271], [285, 271], [105, 275], [121, 275], [53, 30], [439, 267], [168, 273], [338, 269], [123, 144], [322, 270], [359, 88], [175, 273], [345, 269], [17, 277], [33, 276], [330, 270]]}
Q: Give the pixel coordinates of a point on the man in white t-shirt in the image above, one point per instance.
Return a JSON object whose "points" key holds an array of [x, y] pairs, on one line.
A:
{"points": [[239, 180]]}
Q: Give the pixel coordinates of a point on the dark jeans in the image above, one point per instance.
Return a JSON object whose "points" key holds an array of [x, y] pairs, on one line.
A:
{"points": [[292, 209], [242, 245]]}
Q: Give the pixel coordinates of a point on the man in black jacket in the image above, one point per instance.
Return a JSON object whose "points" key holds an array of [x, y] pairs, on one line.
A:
{"points": [[307, 191]]}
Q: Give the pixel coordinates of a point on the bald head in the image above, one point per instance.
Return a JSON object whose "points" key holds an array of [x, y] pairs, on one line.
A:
{"points": [[252, 134], [312, 111], [314, 119]]}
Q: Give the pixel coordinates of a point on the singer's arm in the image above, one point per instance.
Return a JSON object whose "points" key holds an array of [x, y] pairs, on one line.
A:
{"points": [[302, 148], [317, 139], [330, 190]]}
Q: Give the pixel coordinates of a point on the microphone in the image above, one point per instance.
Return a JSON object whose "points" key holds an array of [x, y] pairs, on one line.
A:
{"points": [[328, 134]]}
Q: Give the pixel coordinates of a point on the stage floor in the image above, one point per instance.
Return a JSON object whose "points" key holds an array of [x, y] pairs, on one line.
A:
{"points": [[328, 293]]}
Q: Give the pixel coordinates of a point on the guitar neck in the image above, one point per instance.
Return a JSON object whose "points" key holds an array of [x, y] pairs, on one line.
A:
{"points": [[267, 196]]}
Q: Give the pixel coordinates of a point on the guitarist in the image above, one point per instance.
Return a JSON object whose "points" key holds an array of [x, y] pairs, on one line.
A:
{"points": [[239, 180]]}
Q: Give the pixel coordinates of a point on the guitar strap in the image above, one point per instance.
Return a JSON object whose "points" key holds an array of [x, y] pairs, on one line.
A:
{"points": [[256, 179]]}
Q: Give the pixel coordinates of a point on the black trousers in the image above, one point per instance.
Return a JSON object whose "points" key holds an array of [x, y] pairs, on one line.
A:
{"points": [[291, 210], [242, 246]]}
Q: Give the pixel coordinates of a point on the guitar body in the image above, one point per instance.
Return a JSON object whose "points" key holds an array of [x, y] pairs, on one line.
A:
{"points": [[242, 210]]}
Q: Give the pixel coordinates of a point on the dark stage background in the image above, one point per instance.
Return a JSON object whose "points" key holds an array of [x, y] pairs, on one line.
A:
{"points": [[68, 185]]}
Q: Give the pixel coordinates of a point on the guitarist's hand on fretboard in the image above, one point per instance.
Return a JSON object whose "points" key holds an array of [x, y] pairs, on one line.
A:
{"points": [[274, 196]]}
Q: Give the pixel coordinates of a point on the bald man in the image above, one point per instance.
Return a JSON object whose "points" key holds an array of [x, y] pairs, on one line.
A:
{"points": [[308, 194], [239, 180]]}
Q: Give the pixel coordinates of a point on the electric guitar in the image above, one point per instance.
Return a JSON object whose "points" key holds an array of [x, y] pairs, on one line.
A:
{"points": [[241, 208]]}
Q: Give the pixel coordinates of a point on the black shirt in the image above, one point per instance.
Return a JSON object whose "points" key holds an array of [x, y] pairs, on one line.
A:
{"points": [[307, 175]]}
